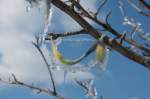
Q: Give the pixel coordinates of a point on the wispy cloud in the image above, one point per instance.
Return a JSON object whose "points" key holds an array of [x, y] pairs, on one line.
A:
{"points": [[134, 97]]}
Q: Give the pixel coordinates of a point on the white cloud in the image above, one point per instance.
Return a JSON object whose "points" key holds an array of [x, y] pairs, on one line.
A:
{"points": [[134, 97], [18, 54]]}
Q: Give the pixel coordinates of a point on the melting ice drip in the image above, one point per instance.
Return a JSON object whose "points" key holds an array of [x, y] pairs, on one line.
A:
{"points": [[103, 66], [46, 6]]}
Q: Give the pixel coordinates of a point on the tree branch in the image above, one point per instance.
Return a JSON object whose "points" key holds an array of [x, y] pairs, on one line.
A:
{"points": [[139, 9], [47, 65], [93, 32], [55, 36], [39, 90], [109, 28], [146, 5]]}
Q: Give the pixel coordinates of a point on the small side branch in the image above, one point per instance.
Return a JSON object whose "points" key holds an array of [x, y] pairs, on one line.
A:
{"points": [[55, 36], [138, 9], [99, 9], [15, 81], [107, 26], [96, 34], [145, 4], [47, 65]]}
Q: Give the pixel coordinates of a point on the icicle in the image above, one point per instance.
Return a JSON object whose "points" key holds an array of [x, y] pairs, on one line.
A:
{"points": [[105, 64], [121, 7], [28, 8], [48, 14], [32, 3]]}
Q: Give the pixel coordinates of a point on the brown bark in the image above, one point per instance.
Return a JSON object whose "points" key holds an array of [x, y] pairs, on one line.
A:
{"points": [[96, 34]]}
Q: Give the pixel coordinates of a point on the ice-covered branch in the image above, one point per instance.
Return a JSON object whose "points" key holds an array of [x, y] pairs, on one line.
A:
{"points": [[14, 81]]}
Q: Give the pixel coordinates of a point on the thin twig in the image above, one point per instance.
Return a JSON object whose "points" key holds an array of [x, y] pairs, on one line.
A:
{"points": [[111, 30], [47, 65], [39, 90], [138, 9], [55, 36], [107, 40], [65, 34], [146, 5], [100, 7]]}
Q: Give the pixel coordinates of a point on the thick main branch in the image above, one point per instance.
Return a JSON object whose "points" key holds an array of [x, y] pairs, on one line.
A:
{"points": [[93, 32]]}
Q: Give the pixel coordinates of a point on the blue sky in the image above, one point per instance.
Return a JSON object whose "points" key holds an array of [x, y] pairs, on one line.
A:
{"points": [[123, 79]]}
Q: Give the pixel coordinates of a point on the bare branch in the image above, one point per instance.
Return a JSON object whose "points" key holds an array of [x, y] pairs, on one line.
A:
{"points": [[107, 17], [55, 36], [139, 9], [100, 7], [146, 5], [109, 28], [47, 65], [122, 38], [39, 90], [93, 32]]}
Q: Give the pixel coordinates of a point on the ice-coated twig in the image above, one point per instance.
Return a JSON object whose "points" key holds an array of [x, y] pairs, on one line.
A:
{"points": [[88, 86], [47, 65], [138, 9], [14, 81]]}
